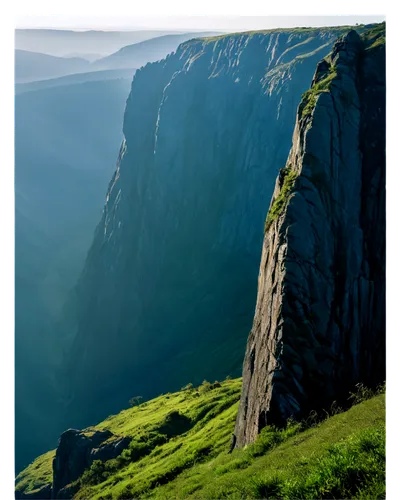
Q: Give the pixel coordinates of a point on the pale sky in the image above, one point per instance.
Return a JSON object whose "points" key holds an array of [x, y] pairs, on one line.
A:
{"points": [[182, 23]]}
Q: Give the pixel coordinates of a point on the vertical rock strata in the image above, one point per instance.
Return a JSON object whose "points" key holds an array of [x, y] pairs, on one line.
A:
{"points": [[167, 293], [319, 324]]}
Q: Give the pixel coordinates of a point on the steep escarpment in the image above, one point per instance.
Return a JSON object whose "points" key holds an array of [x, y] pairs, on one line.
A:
{"points": [[167, 293], [319, 324]]}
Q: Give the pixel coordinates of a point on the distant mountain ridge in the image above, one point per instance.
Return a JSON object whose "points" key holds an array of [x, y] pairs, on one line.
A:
{"points": [[63, 42], [138, 54], [36, 66], [75, 78]]}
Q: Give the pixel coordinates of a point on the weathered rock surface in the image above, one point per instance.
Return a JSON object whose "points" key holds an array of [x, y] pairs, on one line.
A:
{"points": [[76, 452], [319, 323], [110, 450], [167, 293]]}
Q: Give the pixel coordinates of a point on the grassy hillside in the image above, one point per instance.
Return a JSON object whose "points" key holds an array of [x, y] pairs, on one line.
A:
{"points": [[180, 449]]}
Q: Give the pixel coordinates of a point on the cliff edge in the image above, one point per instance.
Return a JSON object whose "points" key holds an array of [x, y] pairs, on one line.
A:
{"points": [[319, 324]]}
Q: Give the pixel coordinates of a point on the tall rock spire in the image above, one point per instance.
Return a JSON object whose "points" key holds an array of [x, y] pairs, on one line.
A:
{"points": [[319, 324]]}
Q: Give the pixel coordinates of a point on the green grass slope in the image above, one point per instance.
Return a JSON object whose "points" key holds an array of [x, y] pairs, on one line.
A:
{"points": [[180, 450], [37, 474]]}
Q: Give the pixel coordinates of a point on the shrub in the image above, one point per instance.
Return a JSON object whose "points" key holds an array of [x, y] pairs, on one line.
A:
{"points": [[381, 389], [146, 444], [95, 474], [175, 424], [280, 202], [309, 98], [335, 409], [204, 387], [188, 387], [361, 394], [136, 401], [215, 385]]}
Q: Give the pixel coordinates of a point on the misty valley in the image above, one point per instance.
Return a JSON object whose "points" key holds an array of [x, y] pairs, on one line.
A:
{"points": [[200, 243]]}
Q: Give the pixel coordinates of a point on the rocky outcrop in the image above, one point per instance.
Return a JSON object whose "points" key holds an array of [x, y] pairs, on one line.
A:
{"points": [[76, 452], [167, 293], [319, 323]]}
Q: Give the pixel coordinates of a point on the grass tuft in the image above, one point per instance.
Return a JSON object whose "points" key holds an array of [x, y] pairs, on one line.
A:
{"points": [[309, 98], [282, 199]]}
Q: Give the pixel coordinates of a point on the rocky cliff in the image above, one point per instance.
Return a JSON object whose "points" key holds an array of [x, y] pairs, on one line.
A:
{"points": [[167, 294], [319, 323]]}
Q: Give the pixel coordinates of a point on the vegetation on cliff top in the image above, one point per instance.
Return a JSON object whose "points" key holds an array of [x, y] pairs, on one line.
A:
{"points": [[305, 29], [375, 37], [342, 456], [372, 38]]}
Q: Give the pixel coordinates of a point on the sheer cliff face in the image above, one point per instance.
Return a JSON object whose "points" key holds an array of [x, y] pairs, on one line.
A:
{"points": [[168, 290], [319, 324]]}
